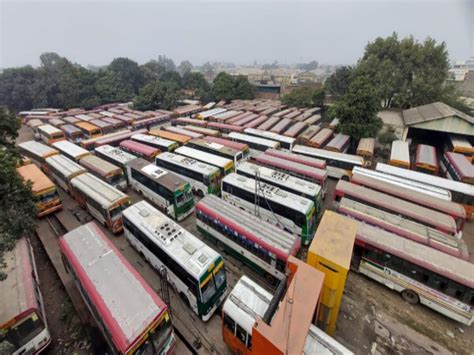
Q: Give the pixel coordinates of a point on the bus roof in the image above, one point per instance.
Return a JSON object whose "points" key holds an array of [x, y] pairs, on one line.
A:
{"points": [[252, 139], [256, 122], [277, 178], [49, 129], [56, 122], [225, 126], [170, 136], [205, 157], [366, 146], [309, 132], [269, 123], [114, 137], [139, 147], [84, 117], [247, 301], [280, 126], [319, 342], [194, 255], [189, 163], [398, 205], [38, 149], [34, 174], [227, 143], [404, 227], [437, 181], [106, 195], [297, 158], [35, 123], [214, 146], [70, 129], [338, 142], [101, 166], [115, 153], [86, 125], [295, 129], [322, 136], [70, 148], [65, 166], [269, 236], [71, 119], [284, 198], [202, 130], [100, 123], [447, 265], [125, 302], [270, 135], [187, 120], [426, 154], [328, 155], [17, 290], [184, 132], [169, 180], [460, 142], [447, 207], [147, 138], [463, 166], [316, 173], [400, 152]]}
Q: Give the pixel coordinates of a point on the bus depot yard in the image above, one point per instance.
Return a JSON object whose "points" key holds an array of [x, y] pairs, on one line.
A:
{"points": [[209, 171]]}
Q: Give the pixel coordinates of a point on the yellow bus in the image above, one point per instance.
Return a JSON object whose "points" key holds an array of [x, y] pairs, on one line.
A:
{"points": [[50, 134], [90, 131], [44, 191]]}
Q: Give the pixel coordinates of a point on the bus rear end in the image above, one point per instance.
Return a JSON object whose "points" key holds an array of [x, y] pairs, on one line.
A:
{"points": [[183, 201]]}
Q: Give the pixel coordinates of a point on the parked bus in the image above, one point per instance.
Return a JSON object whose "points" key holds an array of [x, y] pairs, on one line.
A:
{"points": [[89, 130], [50, 134], [216, 149], [139, 150], [284, 181], [128, 312], [340, 143], [404, 227], [195, 270], [62, 170], [305, 172], [115, 138], [91, 143], [167, 191], [23, 323], [260, 245], [183, 132], [313, 120], [294, 213], [226, 166], [321, 138], [183, 121], [34, 124], [103, 201], [204, 178], [224, 128], [405, 209], [243, 120], [334, 123], [307, 134], [285, 142], [72, 133], [45, 194], [295, 129], [205, 131], [115, 156], [148, 123], [71, 150], [400, 154], [71, 119], [420, 273], [105, 127], [338, 165], [256, 144], [365, 148], [426, 160], [256, 122], [459, 144], [38, 152], [164, 145], [177, 139], [297, 158], [281, 126], [56, 122], [108, 172], [117, 124], [457, 167], [242, 147]]}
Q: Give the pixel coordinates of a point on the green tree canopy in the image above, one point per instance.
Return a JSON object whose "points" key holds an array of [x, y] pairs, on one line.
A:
{"points": [[185, 67], [338, 83], [304, 96], [357, 110], [226, 87], [158, 94], [19, 88]]}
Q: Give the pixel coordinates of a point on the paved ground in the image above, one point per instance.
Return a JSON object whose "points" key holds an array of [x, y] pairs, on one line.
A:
{"points": [[373, 319]]}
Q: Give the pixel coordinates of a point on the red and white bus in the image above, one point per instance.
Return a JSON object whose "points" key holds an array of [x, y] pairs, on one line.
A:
{"points": [[224, 127], [307, 134], [281, 126], [72, 133], [406, 209], [418, 272], [268, 124], [426, 159], [183, 132], [321, 138], [202, 130], [242, 147], [130, 315], [114, 139], [256, 122], [23, 322], [244, 120], [297, 158], [183, 121], [457, 167], [90, 143], [140, 150], [340, 143], [295, 129]]}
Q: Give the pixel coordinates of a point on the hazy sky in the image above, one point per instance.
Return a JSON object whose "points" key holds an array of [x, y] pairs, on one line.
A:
{"points": [[332, 32]]}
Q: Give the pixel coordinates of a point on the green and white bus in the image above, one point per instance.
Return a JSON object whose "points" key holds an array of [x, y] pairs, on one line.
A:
{"points": [[167, 191], [194, 270], [294, 213], [204, 178]]}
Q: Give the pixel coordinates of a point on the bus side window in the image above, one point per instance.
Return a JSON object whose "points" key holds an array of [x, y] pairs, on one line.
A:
{"points": [[241, 334], [249, 342], [229, 323]]}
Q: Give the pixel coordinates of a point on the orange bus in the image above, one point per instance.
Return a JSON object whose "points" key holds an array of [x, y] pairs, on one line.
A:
{"points": [[179, 138], [90, 131], [44, 191]]}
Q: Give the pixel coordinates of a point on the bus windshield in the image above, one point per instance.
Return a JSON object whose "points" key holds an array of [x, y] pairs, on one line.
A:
{"points": [[47, 196], [116, 178], [213, 284], [156, 341], [23, 331], [114, 212], [182, 198]]}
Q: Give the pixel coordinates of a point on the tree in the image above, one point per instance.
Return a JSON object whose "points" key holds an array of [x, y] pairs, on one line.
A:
{"points": [[128, 72], [304, 96], [196, 82], [308, 66], [17, 209], [155, 95], [357, 110], [243, 89], [338, 83], [166, 63], [78, 88], [172, 76], [387, 137], [18, 88], [223, 87], [112, 88], [152, 71], [185, 67]]}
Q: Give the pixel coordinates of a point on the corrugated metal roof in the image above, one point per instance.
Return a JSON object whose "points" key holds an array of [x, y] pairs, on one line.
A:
{"points": [[434, 111], [449, 125]]}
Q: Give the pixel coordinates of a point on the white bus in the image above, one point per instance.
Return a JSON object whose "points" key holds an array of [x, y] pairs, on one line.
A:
{"points": [[338, 165], [400, 154], [256, 144], [50, 134], [114, 155], [62, 170], [226, 166], [194, 270], [285, 142], [166, 190], [71, 150], [204, 178], [287, 210], [164, 145]]}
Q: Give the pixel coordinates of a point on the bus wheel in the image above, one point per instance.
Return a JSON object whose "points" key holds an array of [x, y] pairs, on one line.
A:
{"points": [[270, 279], [220, 245], [200, 193], [345, 178], [184, 298], [410, 296]]}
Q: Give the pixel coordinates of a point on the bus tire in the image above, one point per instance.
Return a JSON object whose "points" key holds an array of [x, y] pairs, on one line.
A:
{"points": [[345, 178], [184, 299], [270, 279], [410, 296], [200, 193], [220, 245]]}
